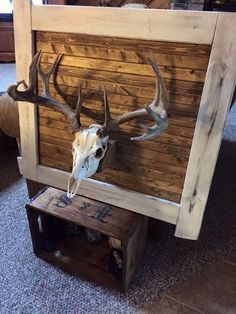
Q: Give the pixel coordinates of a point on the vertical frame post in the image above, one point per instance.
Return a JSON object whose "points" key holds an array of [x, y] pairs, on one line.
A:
{"points": [[216, 98], [27, 112]]}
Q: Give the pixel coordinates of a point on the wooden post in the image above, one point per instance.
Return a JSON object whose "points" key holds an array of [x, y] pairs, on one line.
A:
{"points": [[27, 113], [215, 102]]}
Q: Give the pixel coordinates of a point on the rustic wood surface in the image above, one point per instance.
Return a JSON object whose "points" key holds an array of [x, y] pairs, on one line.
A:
{"points": [[23, 51], [156, 167], [134, 201], [216, 99], [134, 250], [195, 28], [7, 49], [110, 220], [73, 253], [189, 27]]}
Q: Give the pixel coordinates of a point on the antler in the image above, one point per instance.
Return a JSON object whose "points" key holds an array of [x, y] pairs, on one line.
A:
{"points": [[46, 99], [157, 110]]}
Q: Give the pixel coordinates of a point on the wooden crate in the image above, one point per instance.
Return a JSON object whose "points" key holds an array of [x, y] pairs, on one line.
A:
{"points": [[56, 237]]}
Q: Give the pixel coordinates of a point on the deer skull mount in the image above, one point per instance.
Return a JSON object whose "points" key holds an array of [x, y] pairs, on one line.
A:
{"points": [[90, 144], [88, 149]]}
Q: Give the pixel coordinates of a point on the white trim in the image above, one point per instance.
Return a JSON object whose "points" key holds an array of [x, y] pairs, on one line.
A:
{"points": [[165, 25], [215, 102], [27, 111], [134, 201]]}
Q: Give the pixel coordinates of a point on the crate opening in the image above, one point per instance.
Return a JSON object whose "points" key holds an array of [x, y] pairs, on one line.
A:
{"points": [[79, 250]]}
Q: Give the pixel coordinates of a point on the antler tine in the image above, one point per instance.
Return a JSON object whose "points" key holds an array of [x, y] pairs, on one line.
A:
{"points": [[160, 103], [45, 76], [157, 94], [45, 100], [78, 106], [107, 118], [106, 108], [160, 92], [156, 109], [159, 127], [13, 89], [33, 72]]}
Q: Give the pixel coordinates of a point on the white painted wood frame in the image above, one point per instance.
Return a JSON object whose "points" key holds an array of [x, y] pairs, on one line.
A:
{"points": [[216, 29]]}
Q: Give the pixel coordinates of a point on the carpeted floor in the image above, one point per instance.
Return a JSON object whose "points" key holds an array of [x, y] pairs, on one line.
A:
{"points": [[30, 285], [7, 75]]}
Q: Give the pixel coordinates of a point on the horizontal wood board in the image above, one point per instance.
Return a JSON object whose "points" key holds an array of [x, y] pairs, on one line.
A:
{"points": [[164, 25], [115, 222], [156, 167]]}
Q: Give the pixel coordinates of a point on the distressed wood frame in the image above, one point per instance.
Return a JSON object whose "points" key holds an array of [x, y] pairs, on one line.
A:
{"points": [[216, 29]]}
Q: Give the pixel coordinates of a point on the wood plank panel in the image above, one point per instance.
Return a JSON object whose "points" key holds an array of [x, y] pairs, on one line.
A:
{"points": [[46, 120], [176, 119], [160, 164], [122, 83], [182, 131], [123, 54], [47, 129], [118, 97], [166, 168], [94, 99], [147, 47], [133, 155], [52, 151], [192, 75]]}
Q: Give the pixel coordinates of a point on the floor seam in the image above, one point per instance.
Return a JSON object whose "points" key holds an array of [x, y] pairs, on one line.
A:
{"points": [[182, 303], [229, 262]]}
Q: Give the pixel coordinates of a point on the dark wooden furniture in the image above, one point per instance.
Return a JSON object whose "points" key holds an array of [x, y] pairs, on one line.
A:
{"points": [[7, 50], [52, 216], [220, 5]]}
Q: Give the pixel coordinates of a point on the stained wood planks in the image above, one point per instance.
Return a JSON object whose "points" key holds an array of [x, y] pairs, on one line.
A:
{"points": [[156, 167]]}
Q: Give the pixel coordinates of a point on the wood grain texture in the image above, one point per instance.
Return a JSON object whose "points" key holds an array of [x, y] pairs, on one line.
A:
{"points": [[190, 27], [118, 226], [195, 29], [138, 202], [134, 249], [120, 67], [90, 61], [112, 45], [216, 99], [82, 257], [27, 112], [7, 49]]}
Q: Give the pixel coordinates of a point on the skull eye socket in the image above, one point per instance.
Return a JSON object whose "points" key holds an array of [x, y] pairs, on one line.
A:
{"points": [[99, 153]]}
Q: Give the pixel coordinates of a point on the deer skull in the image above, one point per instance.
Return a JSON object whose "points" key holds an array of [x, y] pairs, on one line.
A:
{"points": [[90, 144], [88, 149]]}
